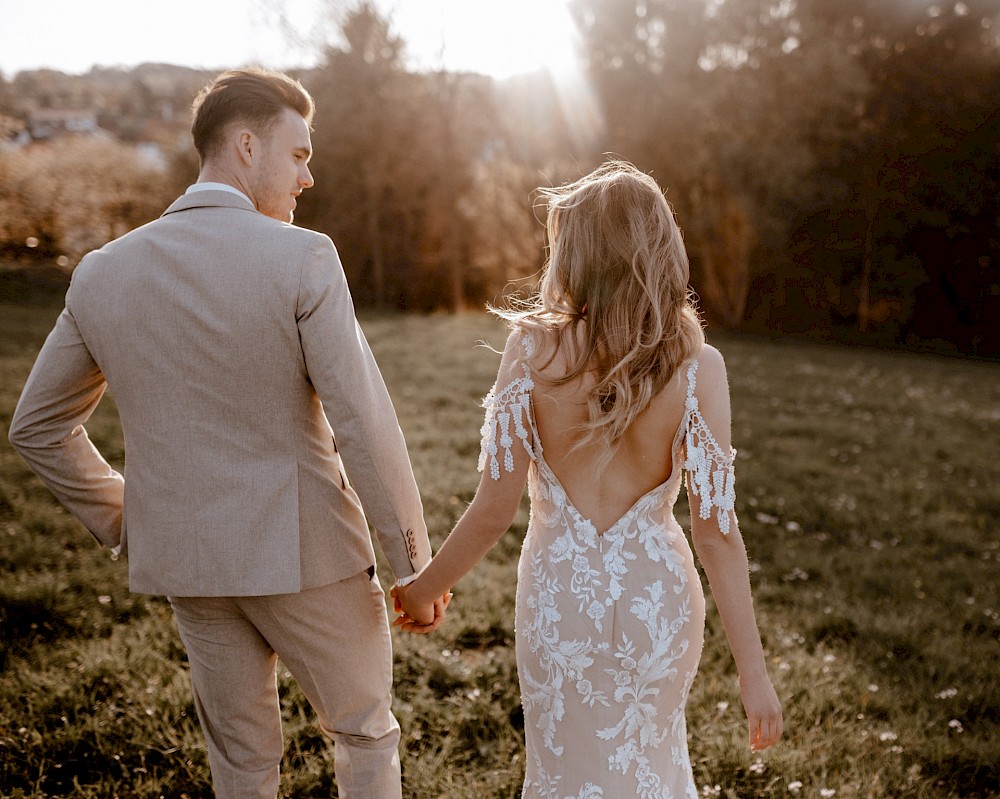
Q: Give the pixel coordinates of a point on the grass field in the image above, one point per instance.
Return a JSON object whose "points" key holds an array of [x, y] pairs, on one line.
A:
{"points": [[867, 493]]}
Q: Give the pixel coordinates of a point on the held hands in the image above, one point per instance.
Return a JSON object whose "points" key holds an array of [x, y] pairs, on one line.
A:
{"points": [[763, 711], [414, 617]]}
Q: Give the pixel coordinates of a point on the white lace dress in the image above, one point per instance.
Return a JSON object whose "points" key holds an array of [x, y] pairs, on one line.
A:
{"points": [[609, 624]]}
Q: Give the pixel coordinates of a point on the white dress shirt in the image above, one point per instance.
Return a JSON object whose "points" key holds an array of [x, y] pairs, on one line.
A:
{"points": [[209, 186]]}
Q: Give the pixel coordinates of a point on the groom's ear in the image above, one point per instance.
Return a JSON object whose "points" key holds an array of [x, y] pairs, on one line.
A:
{"points": [[246, 146]]}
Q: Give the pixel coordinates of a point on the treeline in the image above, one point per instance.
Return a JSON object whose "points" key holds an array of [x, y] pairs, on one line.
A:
{"points": [[833, 164], [117, 158]]}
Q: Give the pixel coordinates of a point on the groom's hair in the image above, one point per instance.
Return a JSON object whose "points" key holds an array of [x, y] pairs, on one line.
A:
{"points": [[253, 97]]}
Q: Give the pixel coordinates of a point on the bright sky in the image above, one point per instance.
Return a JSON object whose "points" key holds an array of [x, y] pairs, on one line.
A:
{"points": [[496, 37]]}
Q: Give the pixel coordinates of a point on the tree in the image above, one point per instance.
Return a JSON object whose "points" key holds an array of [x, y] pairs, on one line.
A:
{"points": [[358, 127], [75, 194], [722, 104], [400, 160], [918, 253]]}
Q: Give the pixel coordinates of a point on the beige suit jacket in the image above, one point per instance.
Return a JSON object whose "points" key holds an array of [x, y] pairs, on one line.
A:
{"points": [[230, 345]]}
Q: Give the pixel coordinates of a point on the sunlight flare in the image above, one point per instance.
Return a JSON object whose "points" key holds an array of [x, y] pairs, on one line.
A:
{"points": [[500, 40]]}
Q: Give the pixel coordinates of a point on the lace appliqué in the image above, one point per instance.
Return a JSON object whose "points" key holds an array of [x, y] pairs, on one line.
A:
{"points": [[547, 786], [579, 573], [710, 469], [509, 406]]}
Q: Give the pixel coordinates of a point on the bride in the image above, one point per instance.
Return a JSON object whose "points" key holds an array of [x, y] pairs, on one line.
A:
{"points": [[607, 394]]}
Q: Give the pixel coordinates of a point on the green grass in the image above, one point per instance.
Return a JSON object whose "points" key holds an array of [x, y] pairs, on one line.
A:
{"points": [[867, 496]]}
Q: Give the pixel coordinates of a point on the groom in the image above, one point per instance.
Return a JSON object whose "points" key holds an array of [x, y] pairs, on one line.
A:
{"points": [[257, 428]]}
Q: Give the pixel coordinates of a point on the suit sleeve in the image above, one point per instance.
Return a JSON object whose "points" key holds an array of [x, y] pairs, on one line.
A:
{"points": [[348, 382], [64, 387]]}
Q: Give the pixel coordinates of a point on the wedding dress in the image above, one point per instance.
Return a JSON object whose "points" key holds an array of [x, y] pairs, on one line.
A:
{"points": [[609, 624]]}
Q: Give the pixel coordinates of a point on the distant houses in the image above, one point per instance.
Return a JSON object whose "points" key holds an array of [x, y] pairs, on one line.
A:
{"points": [[48, 123], [45, 124]]}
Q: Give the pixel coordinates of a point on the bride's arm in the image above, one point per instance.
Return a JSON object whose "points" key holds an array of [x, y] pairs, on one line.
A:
{"points": [[724, 559], [725, 562], [485, 520]]}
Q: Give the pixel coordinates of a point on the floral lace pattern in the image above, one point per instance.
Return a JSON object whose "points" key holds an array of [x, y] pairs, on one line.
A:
{"points": [[609, 630], [609, 626], [511, 404]]}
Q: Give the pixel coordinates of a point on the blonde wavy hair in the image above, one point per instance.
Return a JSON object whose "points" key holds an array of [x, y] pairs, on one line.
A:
{"points": [[616, 279]]}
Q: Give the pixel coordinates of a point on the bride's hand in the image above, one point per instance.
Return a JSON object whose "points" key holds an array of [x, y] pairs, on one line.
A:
{"points": [[763, 711], [417, 618]]}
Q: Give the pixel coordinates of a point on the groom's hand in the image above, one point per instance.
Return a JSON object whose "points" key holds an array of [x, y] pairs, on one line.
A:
{"points": [[404, 602], [407, 622]]}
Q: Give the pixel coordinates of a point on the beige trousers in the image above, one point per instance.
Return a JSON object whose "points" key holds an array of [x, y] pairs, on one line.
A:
{"points": [[335, 642]]}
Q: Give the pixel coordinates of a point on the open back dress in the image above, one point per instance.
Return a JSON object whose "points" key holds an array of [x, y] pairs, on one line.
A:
{"points": [[609, 624]]}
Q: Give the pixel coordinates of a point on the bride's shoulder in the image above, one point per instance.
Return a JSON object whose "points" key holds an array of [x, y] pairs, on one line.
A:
{"points": [[528, 343], [517, 353], [707, 372], [521, 344], [709, 361], [710, 385]]}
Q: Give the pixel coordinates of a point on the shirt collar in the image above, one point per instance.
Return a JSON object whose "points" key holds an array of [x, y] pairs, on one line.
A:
{"points": [[209, 186]]}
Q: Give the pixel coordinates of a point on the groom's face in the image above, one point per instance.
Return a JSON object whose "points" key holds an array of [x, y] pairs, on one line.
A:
{"points": [[283, 169]]}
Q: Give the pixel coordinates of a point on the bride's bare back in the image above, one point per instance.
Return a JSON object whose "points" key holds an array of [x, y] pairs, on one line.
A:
{"points": [[641, 462]]}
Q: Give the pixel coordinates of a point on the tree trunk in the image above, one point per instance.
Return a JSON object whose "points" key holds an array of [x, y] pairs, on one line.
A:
{"points": [[725, 261], [453, 253], [864, 292]]}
